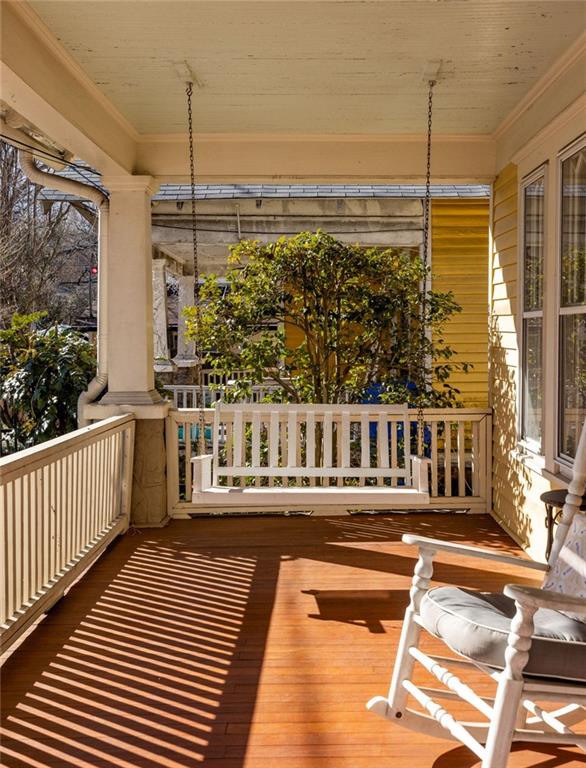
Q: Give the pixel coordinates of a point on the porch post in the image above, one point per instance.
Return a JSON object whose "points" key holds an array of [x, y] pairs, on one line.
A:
{"points": [[131, 380], [130, 292], [185, 349], [161, 345]]}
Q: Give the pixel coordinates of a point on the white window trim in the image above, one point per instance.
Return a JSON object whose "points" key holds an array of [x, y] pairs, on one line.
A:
{"points": [[540, 172], [563, 463]]}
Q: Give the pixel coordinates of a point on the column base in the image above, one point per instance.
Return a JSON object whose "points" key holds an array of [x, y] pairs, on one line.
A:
{"points": [[132, 398], [185, 362], [164, 366]]}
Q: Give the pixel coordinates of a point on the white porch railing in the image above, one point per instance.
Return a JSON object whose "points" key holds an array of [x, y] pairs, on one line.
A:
{"points": [[458, 443], [62, 502], [188, 395]]}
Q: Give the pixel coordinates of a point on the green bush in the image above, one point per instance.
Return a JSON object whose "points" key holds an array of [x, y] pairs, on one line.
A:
{"points": [[42, 373]]}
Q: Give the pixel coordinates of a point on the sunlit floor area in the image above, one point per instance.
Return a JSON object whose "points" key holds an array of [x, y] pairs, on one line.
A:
{"points": [[239, 643]]}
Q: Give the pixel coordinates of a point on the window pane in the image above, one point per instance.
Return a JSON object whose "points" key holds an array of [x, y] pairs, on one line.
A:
{"points": [[573, 267], [533, 243], [532, 380], [573, 381]]}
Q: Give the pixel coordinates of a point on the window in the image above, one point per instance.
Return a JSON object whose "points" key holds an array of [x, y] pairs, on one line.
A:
{"points": [[572, 319], [532, 311]]}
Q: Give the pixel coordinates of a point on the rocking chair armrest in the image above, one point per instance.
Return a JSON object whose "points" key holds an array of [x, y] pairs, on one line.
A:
{"points": [[535, 597], [435, 545]]}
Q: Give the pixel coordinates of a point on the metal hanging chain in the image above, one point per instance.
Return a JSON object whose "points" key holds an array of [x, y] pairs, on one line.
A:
{"points": [[426, 216], [198, 350]]}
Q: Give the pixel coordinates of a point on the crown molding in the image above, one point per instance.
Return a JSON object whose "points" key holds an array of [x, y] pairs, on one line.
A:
{"points": [[41, 30], [363, 138], [557, 70], [575, 109]]}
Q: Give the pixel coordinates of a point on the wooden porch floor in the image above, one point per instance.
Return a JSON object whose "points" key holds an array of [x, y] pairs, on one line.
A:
{"points": [[238, 643]]}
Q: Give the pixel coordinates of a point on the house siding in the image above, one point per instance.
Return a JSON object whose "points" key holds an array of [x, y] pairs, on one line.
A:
{"points": [[516, 487], [459, 249]]}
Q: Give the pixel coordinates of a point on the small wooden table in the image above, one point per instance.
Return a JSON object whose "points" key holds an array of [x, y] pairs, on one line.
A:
{"points": [[554, 500]]}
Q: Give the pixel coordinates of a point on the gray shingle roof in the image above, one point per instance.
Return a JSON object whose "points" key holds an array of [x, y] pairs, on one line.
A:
{"points": [[175, 192]]}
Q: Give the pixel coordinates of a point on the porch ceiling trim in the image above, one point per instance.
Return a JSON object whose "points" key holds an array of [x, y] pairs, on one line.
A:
{"points": [[558, 69]]}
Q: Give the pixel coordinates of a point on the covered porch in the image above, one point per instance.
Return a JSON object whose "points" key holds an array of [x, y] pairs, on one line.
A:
{"points": [[235, 641]]}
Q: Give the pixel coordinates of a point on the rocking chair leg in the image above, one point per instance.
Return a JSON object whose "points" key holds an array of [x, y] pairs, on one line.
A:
{"points": [[404, 664], [510, 689], [500, 734], [410, 633]]}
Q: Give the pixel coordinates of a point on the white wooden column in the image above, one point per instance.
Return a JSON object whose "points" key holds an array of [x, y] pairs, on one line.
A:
{"points": [[130, 292], [161, 344], [185, 298]]}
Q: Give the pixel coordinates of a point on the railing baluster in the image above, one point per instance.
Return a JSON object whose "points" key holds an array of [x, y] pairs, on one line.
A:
{"points": [[364, 444], [273, 443], [448, 458], [310, 442], [10, 546], [26, 542], [434, 459], [461, 459], [284, 451], [187, 427], [256, 424], [394, 450], [4, 543], [382, 442], [345, 439], [475, 458]]}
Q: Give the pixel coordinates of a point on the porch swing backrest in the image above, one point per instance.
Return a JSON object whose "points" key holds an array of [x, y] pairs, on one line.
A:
{"points": [[313, 441]]}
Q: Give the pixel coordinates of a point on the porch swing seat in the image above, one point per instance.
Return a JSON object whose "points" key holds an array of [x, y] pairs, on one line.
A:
{"points": [[259, 449]]}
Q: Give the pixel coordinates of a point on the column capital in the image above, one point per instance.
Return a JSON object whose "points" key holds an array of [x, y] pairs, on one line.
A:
{"points": [[147, 184]]}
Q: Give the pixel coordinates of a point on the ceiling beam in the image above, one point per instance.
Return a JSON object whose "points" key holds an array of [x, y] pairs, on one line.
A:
{"points": [[330, 158]]}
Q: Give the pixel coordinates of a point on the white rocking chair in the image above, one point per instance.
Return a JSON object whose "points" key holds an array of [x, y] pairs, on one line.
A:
{"points": [[531, 642]]}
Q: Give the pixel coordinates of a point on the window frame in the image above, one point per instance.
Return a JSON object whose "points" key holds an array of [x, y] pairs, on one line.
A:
{"points": [[579, 143], [540, 172]]}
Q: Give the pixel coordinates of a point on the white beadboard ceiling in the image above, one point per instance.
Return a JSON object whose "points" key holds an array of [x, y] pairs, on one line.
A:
{"points": [[282, 66]]}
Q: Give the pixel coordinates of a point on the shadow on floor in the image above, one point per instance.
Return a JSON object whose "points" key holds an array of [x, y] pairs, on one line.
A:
{"points": [[156, 657]]}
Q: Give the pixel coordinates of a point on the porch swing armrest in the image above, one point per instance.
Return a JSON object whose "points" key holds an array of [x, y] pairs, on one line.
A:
{"points": [[420, 473], [202, 471], [436, 545], [534, 597]]}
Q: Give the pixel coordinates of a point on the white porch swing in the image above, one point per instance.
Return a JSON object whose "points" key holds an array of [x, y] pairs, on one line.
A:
{"points": [[266, 447]]}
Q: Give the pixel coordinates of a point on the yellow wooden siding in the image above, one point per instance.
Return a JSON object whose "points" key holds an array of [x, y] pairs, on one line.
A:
{"points": [[516, 488], [459, 248]]}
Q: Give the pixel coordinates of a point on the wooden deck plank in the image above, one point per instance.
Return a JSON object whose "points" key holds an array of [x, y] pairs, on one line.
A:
{"points": [[233, 642]]}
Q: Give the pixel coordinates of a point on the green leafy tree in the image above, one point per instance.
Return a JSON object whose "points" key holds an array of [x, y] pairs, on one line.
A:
{"points": [[356, 312], [42, 373]]}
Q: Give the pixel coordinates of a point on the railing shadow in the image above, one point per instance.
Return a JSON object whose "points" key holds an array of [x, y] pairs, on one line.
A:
{"points": [[144, 662]]}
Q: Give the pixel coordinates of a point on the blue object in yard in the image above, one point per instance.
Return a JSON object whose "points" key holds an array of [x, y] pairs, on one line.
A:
{"points": [[208, 433], [373, 397]]}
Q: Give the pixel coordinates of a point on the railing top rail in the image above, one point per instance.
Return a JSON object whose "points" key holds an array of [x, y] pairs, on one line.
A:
{"points": [[432, 414], [309, 408], [40, 454]]}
